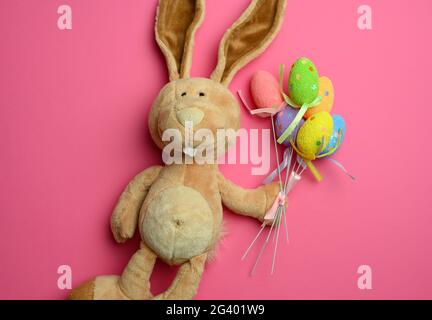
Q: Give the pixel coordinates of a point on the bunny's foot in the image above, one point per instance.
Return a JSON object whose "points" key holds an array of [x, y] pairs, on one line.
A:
{"points": [[84, 291], [100, 288]]}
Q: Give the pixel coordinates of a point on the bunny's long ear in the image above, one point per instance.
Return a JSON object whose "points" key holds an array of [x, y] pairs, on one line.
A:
{"points": [[248, 37], [176, 23]]}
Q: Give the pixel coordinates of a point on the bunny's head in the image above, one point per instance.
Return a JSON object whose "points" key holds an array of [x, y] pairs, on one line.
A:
{"points": [[206, 103]]}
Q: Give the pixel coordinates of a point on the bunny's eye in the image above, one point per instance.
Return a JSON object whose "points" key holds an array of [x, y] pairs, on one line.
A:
{"points": [[202, 94], [183, 94]]}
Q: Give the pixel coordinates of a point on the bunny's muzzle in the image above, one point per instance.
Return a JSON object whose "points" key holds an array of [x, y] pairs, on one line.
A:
{"points": [[192, 115]]}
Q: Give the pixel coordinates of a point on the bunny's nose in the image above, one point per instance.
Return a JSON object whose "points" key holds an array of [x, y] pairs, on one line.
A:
{"points": [[193, 115]]}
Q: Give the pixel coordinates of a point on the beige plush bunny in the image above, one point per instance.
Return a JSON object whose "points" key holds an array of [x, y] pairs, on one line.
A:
{"points": [[178, 207]]}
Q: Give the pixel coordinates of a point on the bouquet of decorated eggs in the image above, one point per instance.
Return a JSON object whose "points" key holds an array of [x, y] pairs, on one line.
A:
{"points": [[301, 121], [302, 116]]}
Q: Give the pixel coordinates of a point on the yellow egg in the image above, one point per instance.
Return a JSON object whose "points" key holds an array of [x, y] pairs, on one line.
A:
{"points": [[315, 134], [326, 92]]}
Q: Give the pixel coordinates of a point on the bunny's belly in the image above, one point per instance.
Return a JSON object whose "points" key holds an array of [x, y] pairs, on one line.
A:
{"points": [[178, 224]]}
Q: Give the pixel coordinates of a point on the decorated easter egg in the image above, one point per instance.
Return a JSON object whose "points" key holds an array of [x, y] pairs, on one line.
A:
{"points": [[265, 90], [303, 82], [326, 92], [314, 135], [283, 119], [339, 127]]}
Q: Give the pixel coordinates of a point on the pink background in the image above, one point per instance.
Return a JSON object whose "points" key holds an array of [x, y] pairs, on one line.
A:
{"points": [[73, 131]]}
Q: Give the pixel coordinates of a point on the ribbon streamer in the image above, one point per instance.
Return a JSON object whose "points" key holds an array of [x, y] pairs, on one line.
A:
{"points": [[294, 178], [298, 116], [340, 166], [281, 77], [281, 167], [262, 112], [293, 124]]}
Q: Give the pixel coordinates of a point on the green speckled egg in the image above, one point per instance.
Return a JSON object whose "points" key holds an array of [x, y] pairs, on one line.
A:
{"points": [[303, 82], [315, 132]]}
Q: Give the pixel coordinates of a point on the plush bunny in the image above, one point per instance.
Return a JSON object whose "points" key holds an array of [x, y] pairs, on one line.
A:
{"points": [[178, 207]]}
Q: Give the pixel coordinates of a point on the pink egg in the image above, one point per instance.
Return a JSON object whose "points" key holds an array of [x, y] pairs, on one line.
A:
{"points": [[265, 90]]}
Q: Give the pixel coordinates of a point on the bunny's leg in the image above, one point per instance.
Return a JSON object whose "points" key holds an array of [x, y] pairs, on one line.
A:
{"points": [[185, 284], [133, 284], [135, 280]]}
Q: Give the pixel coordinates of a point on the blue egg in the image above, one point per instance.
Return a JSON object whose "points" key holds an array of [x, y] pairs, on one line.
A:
{"points": [[283, 120], [338, 124]]}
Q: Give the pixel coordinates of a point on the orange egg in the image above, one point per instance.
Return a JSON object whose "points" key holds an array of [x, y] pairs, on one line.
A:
{"points": [[326, 92]]}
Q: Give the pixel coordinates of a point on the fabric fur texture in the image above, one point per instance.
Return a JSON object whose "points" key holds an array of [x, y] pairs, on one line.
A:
{"points": [[177, 208]]}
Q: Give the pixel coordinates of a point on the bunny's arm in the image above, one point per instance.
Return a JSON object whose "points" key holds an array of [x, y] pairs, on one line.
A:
{"points": [[125, 215], [249, 202]]}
